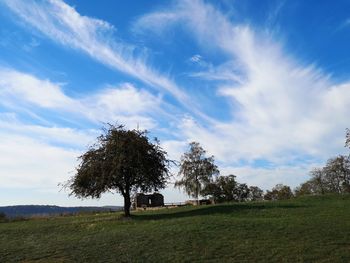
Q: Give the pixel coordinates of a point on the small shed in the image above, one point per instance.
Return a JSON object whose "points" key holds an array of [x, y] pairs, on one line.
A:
{"points": [[149, 200]]}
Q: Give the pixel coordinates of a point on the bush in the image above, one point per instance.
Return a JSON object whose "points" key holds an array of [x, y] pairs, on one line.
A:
{"points": [[3, 217]]}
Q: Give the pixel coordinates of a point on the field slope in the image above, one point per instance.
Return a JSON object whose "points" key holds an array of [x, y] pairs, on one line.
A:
{"points": [[313, 229]]}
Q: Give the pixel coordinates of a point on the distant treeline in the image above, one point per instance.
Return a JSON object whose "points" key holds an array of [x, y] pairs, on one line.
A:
{"points": [[48, 210], [334, 177]]}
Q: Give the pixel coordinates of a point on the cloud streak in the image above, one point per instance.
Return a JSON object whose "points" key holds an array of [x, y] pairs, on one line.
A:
{"points": [[283, 110], [63, 24], [124, 103]]}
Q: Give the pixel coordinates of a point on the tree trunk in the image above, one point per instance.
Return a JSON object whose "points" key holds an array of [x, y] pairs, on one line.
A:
{"points": [[197, 194], [127, 204]]}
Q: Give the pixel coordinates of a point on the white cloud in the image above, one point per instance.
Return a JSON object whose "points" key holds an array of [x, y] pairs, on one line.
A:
{"points": [[27, 163], [269, 177], [174, 148], [156, 22], [124, 103], [129, 104], [39, 157], [227, 72], [282, 109], [196, 58], [69, 137], [63, 24], [31, 169], [14, 84]]}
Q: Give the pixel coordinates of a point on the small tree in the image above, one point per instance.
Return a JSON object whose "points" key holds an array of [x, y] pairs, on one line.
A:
{"points": [[122, 161], [306, 188], [255, 193], [213, 191], [283, 191], [196, 170], [227, 189], [317, 182], [279, 192], [347, 138], [270, 195], [222, 189], [242, 193]]}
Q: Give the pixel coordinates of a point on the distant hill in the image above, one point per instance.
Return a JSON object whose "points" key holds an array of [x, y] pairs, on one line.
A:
{"points": [[44, 210]]}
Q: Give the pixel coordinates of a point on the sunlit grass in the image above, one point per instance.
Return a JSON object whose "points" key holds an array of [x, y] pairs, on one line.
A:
{"points": [[314, 229]]}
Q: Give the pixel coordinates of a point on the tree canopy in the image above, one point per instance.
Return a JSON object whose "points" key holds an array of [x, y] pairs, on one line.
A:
{"points": [[196, 170], [121, 161], [334, 177], [279, 192], [226, 189]]}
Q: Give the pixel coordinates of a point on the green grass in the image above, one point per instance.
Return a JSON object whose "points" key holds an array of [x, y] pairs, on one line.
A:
{"points": [[313, 229]]}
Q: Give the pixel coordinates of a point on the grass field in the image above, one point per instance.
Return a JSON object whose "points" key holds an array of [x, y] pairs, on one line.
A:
{"points": [[313, 229]]}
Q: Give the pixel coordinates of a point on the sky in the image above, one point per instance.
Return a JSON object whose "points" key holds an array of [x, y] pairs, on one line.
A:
{"points": [[261, 85]]}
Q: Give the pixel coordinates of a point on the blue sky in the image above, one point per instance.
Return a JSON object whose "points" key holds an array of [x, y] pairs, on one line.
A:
{"points": [[262, 85]]}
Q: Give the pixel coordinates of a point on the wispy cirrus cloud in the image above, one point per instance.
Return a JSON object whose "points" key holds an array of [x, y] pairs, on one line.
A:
{"points": [[63, 24], [283, 110]]}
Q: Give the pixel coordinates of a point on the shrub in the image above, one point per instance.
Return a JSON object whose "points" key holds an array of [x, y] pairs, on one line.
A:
{"points": [[3, 217]]}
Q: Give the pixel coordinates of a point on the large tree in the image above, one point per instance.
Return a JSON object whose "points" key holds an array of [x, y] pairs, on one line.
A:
{"points": [[337, 174], [196, 170], [120, 161]]}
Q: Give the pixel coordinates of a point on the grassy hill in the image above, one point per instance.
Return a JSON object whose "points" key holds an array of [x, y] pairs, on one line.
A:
{"points": [[312, 229]]}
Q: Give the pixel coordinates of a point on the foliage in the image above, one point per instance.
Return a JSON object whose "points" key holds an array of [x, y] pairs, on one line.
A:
{"points": [[223, 189], [255, 193], [242, 193], [347, 138], [196, 170], [334, 177], [123, 161], [308, 229], [304, 189], [279, 192], [226, 189]]}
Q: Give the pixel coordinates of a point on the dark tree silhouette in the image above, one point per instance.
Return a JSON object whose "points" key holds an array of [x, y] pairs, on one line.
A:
{"points": [[122, 161]]}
